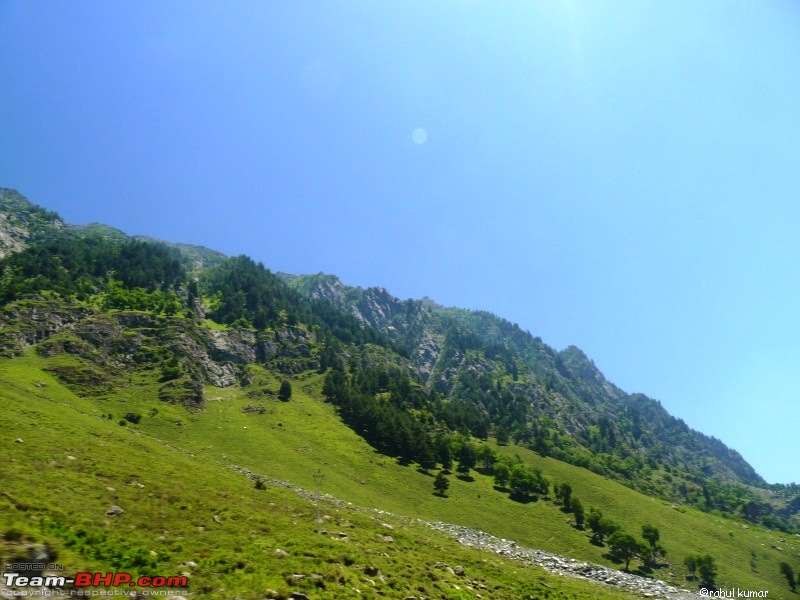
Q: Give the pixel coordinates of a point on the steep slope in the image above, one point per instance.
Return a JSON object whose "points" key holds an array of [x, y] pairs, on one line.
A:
{"points": [[22, 222], [412, 377], [146, 346], [94, 496], [557, 403]]}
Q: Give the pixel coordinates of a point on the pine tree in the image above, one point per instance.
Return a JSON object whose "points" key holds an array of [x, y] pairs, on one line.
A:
{"points": [[467, 458], [285, 393], [707, 570], [441, 484]]}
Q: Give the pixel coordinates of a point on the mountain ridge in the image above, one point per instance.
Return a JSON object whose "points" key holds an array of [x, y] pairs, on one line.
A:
{"points": [[578, 411], [224, 360]]}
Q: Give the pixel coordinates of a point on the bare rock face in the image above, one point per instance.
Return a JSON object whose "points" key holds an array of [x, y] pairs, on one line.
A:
{"points": [[237, 346], [24, 324], [12, 237], [21, 221], [428, 350], [330, 289], [377, 307]]}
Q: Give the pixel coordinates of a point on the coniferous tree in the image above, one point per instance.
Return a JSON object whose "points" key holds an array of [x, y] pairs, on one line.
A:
{"points": [[444, 454], [467, 458], [285, 392], [441, 484], [706, 570]]}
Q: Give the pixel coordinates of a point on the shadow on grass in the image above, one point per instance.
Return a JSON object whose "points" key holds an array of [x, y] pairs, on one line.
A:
{"points": [[523, 499], [467, 478], [643, 571]]}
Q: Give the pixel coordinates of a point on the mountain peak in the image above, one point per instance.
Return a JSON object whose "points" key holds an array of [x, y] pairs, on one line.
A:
{"points": [[21, 221]]}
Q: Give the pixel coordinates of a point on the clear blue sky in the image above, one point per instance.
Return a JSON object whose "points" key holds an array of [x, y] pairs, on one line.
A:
{"points": [[622, 176]]}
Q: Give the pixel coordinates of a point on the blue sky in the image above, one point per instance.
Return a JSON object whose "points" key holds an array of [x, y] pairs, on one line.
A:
{"points": [[621, 176]]}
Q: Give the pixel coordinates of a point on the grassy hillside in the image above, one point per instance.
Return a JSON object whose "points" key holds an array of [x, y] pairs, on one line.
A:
{"points": [[171, 474], [187, 512]]}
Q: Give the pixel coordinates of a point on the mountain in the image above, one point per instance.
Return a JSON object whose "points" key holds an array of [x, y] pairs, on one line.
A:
{"points": [[165, 338], [22, 223], [459, 352]]}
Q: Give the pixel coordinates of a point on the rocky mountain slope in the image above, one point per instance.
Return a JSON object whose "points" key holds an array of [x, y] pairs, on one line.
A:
{"points": [[205, 319]]}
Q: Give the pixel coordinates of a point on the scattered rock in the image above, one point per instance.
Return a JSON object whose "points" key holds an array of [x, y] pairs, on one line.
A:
{"points": [[553, 563], [281, 553], [19, 441], [217, 519], [299, 596], [459, 570], [114, 510]]}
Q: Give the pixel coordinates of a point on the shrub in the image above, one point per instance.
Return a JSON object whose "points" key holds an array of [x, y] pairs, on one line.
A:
{"points": [[133, 418]]}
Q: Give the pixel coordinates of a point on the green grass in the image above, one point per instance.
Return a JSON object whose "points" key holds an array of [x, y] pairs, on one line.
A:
{"points": [[74, 463], [187, 464]]}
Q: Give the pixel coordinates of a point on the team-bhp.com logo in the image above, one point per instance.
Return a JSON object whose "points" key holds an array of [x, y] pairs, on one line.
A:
{"points": [[93, 580]]}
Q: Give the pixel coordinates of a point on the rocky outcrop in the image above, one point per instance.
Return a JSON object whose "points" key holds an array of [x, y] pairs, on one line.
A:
{"points": [[119, 342], [377, 308], [24, 324], [21, 221], [12, 237], [236, 346]]}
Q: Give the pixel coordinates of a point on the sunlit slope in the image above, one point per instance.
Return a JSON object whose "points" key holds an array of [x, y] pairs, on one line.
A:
{"points": [[296, 439], [65, 463]]}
